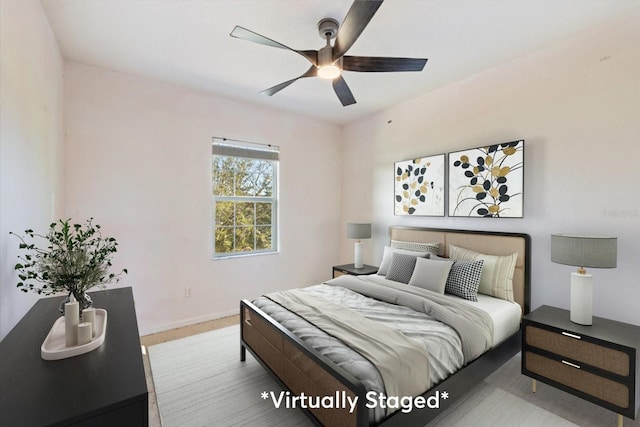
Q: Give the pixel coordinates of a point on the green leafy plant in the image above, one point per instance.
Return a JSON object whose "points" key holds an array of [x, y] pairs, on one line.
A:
{"points": [[76, 258]]}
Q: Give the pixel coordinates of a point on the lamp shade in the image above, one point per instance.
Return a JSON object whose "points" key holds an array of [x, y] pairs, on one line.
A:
{"points": [[358, 230], [584, 251]]}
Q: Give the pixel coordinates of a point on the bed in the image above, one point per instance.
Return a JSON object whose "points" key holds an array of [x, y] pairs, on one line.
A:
{"points": [[304, 362]]}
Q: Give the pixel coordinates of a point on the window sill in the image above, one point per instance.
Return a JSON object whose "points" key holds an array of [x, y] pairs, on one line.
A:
{"points": [[243, 255]]}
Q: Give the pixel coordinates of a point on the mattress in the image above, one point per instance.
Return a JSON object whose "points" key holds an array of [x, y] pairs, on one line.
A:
{"points": [[504, 314]]}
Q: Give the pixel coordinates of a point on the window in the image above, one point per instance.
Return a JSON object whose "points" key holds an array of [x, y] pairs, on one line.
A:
{"points": [[245, 202]]}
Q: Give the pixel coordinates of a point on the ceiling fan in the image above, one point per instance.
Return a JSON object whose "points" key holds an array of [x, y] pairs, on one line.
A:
{"points": [[330, 61]]}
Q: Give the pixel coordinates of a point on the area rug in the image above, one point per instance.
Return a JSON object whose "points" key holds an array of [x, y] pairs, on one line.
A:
{"points": [[200, 381]]}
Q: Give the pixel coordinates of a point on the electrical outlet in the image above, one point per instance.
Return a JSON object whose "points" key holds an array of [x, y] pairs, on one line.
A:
{"points": [[187, 292]]}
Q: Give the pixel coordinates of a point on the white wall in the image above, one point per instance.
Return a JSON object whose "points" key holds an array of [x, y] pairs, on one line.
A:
{"points": [[31, 134], [577, 105], [138, 159]]}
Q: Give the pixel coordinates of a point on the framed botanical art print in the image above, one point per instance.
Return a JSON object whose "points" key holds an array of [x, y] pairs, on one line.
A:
{"points": [[487, 181], [419, 186]]}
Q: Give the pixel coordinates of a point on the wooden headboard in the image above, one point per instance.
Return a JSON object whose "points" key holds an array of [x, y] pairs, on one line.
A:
{"points": [[486, 242]]}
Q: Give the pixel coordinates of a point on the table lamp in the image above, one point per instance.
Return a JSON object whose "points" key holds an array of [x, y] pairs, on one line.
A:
{"points": [[583, 251], [358, 231]]}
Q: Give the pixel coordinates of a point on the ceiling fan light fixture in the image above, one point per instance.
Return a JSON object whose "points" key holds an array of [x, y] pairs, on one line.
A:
{"points": [[329, 72], [328, 69]]}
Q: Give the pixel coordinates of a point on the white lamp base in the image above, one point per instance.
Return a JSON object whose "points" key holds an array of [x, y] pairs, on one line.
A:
{"points": [[358, 255], [581, 298]]}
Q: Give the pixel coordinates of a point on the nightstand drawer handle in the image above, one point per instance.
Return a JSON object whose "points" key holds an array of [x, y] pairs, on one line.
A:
{"points": [[578, 337], [571, 364]]}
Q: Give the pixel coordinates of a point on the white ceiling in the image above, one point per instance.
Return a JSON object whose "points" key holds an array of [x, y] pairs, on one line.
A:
{"points": [[187, 42]]}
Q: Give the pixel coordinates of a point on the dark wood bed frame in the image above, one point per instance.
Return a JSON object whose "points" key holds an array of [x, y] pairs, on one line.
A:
{"points": [[300, 368]]}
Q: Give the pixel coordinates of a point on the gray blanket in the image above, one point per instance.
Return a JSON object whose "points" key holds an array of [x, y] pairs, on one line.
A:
{"points": [[402, 362], [440, 341], [474, 326]]}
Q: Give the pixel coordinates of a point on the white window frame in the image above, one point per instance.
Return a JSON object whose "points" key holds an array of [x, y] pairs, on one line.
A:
{"points": [[240, 149]]}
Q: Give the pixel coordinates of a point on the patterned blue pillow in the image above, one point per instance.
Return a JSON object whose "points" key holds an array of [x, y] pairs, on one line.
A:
{"points": [[464, 279], [402, 266]]}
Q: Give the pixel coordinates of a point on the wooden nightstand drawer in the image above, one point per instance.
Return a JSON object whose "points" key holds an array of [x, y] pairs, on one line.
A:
{"points": [[573, 376], [573, 346]]}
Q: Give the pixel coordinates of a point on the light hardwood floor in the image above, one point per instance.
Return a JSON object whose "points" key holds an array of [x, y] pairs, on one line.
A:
{"points": [[174, 334]]}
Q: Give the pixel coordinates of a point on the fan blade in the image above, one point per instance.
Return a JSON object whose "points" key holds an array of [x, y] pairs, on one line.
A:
{"points": [[377, 64], [354, 23], [311, 72], [342, 90], [244, 34]]}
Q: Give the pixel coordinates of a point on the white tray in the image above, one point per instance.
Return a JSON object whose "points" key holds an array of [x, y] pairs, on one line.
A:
{"points": [[54, 348]]}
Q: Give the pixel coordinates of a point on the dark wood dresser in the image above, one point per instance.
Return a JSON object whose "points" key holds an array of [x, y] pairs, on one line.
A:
{"points": [[599, 363], [105, 387]]}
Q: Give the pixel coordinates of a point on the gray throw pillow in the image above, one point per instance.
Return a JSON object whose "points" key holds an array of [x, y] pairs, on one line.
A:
{"points": [[401, 268]]}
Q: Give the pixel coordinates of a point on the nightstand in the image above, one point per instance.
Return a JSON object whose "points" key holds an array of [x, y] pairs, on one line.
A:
{"points": [[598, 363], [339, 270]]}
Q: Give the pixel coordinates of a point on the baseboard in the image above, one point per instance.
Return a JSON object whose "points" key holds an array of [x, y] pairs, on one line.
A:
{"points": [[187, 322]]}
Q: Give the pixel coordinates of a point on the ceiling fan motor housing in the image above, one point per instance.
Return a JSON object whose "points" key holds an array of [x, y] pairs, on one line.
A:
{"points": [[328, 29], [325, 57]]}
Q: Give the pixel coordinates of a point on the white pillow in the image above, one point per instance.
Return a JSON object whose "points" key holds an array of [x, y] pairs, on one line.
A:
{"points": [[387, 256], [431, 275], [497, 271]]}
